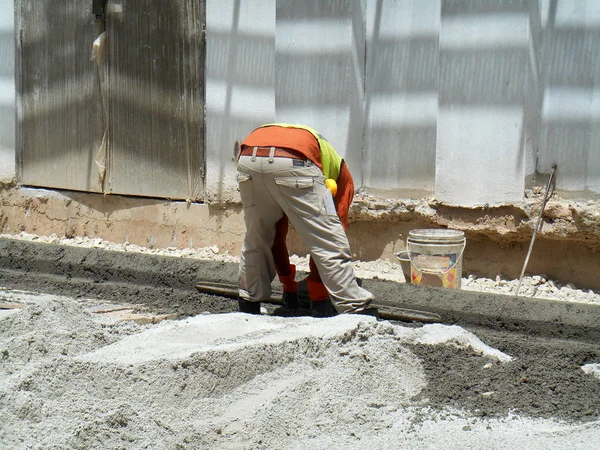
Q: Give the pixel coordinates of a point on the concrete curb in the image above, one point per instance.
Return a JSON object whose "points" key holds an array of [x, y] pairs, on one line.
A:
{"points": [[165, 281], [520, 314]]}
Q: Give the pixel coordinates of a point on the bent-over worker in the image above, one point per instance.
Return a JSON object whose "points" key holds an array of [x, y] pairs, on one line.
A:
{"points": [[282, 170]]}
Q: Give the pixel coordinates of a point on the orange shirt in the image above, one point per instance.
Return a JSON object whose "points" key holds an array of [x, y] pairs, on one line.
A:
{"points": [[293, 138]]}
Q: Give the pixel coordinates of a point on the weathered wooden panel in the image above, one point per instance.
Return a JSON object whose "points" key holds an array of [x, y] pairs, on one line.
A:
{"points": [[156, 84], [62, 114]]}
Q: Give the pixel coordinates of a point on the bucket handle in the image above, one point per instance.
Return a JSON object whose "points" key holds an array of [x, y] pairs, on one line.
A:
{"points": [[436, 272]]}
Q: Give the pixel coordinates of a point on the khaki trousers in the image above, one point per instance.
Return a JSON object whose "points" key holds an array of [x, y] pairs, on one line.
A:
{"points": [[273, 186]]}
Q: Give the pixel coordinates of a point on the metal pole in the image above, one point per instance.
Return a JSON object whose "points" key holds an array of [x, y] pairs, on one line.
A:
{"points": [[387, 309], [538, 226]]}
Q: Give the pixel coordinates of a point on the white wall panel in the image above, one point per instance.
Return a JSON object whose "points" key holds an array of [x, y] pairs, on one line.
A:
{"points": [[7, 91], [240, 83], [401, 96], [320, 71], [484, 101], [477, 157]]}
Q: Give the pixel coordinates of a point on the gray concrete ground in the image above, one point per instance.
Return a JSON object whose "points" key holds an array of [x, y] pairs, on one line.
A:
{"points": [[77, 372]]}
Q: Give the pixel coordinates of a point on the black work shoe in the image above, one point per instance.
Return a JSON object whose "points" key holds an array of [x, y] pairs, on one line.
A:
{"points": [[249, 307], [323, 308], [290, 300]]}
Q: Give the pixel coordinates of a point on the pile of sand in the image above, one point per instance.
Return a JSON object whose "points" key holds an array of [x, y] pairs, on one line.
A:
{"points": [[72, 378]]}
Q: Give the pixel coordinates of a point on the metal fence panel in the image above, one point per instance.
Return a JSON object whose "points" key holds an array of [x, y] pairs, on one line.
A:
{"points": [[156, 85], [62, 123]]}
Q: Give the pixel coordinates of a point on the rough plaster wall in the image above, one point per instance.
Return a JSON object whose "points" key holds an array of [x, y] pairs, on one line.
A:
{"points": [[240, 83], [571, 99], [402, 94], [484, 61], [319, 68], [7, 91]]}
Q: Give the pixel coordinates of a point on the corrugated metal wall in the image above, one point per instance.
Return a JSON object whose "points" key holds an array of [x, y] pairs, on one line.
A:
{"points": [[570, 133], [465, 99], [154, 97], [62, 115], [7, 91]]}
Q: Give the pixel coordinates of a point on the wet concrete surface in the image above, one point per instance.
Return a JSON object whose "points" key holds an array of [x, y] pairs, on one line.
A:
{"points": [[549, 341]]}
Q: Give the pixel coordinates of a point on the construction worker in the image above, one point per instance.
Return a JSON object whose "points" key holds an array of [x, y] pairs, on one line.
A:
{"points": [[282, 173]]}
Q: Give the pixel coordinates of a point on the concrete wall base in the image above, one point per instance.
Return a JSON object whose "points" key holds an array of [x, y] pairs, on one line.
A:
{"points": [[567, 249]]}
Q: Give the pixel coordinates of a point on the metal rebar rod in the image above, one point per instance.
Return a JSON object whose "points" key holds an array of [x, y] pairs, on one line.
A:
{"points": [[388, 311], [537, 226]]}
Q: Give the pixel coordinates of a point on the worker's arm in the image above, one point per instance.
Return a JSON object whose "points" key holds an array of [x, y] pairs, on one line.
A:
{"points": [[345, 194]]}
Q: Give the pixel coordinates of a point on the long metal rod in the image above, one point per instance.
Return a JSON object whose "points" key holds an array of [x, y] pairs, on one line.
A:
{"points": [[388, 311], [537, 226]]}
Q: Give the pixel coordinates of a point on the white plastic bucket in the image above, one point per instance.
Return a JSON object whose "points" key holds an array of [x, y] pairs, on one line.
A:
{"points": [[436, 256]]}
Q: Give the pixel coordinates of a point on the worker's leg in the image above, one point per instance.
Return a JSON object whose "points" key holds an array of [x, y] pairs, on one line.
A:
{"points": [[301, 192], [261, 213], [279, 249], [320, 303], [285, 271]]}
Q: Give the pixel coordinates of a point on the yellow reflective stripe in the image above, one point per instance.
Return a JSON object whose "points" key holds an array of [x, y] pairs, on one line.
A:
{"points": [[331, 161]]}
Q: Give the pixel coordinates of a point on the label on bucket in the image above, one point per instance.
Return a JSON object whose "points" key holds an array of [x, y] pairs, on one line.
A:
{"points": [[440, 270], [447, 280]]}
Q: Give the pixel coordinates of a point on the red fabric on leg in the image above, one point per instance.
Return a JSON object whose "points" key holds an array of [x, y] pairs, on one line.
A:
{"points": [[289, 280], [316, 290], [314, 272], [279, 249]]}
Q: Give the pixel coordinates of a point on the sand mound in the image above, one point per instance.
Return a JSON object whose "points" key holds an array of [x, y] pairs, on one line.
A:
{"points": [[73, 378]]}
